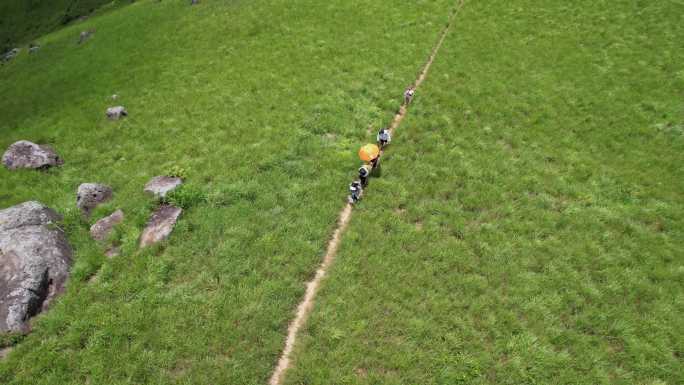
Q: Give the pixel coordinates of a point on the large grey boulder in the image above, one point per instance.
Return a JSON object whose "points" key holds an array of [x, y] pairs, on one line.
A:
{"points": [[116, 113], [35, 258], [90, 195], [101, 229], [25, 154], [159, 186], [160, 225]]}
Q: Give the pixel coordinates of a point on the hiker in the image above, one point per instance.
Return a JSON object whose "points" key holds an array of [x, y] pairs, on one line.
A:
{"points": [[355, 190], [384, 137], [364, 174], [408, 94], [375, 162]]}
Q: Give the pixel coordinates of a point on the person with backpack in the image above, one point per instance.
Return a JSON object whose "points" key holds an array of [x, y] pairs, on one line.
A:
{"points": [[355, 190], [364, 174], [384, 137], [408, 94]]}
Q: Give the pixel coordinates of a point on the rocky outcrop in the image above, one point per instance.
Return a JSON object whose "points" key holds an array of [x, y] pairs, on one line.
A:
{"points": [[90, 195], [25, 154], [101, 229], [116, 113], [160, 225], [159, 186], [35, 258]]}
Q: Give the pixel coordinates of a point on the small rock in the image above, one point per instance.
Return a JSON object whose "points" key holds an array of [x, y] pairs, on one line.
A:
{"points": [[11, 54], [33, 48], [160, 225], [115, 113], [4, 352], [115, 96], [90, 195], [193, 2], [112, 252], [159, 186], [85, 35], [25, 154], [102, 228], [35, 258]]}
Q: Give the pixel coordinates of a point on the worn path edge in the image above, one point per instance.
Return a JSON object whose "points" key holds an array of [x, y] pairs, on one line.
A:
{"points": [[305, 306]]}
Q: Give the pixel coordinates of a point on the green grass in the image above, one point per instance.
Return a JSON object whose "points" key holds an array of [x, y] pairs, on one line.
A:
{"points": [[261, 105], [528, 225], [24, 20]]}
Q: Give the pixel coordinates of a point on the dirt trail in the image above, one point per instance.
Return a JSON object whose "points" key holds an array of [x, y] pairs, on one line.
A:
{"points": [[304, 307], [423, 73]]}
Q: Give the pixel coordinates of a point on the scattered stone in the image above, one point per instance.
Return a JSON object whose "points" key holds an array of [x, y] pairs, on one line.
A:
{"points": [[11, 54], [25, 154], [85, 35], [115, 113], [35, 258], [193, 2], [112, 252], [160, 225], [159, 186], [90, 195], [101, 229], [115, 96], [33, 48], [5, 351]]}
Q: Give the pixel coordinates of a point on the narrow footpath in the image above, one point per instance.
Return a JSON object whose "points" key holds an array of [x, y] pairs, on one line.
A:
{"points": [[306, 305]]}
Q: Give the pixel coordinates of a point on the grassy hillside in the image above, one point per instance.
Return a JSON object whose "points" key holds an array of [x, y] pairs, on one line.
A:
{"points": [[261, 106], [24, 20], [527, 228]]}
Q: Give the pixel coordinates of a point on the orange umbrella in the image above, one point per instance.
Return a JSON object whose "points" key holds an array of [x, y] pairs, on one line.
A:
{"points": [[369, 152]]}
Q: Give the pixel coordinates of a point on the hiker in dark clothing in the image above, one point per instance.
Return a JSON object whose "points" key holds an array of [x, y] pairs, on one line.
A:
{"points": [[355, 190]]}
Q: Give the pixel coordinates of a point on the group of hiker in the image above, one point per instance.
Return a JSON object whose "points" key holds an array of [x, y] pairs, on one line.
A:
{"points": [[370, 155]]}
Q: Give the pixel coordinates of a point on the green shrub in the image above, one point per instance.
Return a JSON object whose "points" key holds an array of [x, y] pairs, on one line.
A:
{"points": [[186, 196]]}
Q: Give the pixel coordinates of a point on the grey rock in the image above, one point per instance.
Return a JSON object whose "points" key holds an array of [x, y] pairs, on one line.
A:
{"points": [[85, 35], [159, 186], [35, 258], [5, 352], [33, 48], [193, 2], [11, 54], [160, 225], [90, 195], [116, 113], [25, 154], [101, 229], [29, 213], [113, 251]]}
